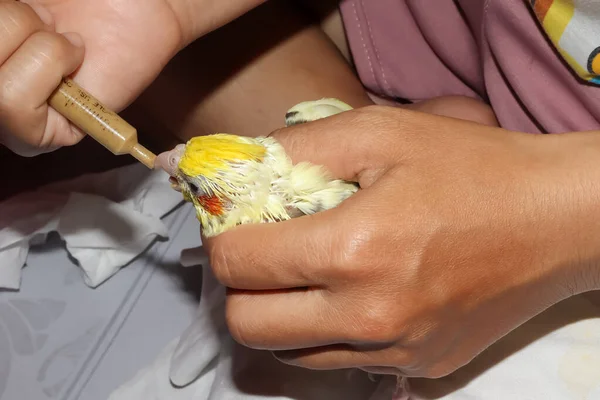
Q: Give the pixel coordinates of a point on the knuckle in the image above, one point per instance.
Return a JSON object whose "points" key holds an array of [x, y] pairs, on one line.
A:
{"points": [[409, 361], [423, 330], [238, 329], [373, 114], [386, 125], [278, 133], [219, 262], [9, 107], [235, 331], [369, 111], [292, 140], [15, 119], [52, 45], [51, 48], [17, 19], [376, 324], [405, 360], [379, 323], [353, 253]]}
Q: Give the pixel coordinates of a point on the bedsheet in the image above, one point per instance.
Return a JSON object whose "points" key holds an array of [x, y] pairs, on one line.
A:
{"points": [[61, 339]]}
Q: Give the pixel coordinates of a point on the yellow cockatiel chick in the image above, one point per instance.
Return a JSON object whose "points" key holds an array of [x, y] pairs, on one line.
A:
{"points": [[233, 180]]}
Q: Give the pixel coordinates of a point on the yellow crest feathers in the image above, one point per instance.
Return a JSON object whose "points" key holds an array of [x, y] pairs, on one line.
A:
{"points": [[205, 155]]}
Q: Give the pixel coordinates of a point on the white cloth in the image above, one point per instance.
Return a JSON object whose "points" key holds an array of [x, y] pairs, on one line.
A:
{"points": [[105, 220], [108, 219], [206, 364], [555, 356]]}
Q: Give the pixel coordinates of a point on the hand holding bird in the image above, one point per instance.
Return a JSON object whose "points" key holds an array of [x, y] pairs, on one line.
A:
{"points": [[459, 233]]}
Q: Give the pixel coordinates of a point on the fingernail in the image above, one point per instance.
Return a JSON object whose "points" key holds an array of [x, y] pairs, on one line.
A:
{"points": [[43, 13], [74, 38]]}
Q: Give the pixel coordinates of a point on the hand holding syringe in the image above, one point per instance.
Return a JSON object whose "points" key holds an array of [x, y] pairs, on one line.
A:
{"points": [[96, 120]]}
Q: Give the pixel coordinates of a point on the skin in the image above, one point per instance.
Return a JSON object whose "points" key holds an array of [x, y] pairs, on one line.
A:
{"points": [[430, 263], [39, 47], [261, 65], [191, 96], [342, 263]]}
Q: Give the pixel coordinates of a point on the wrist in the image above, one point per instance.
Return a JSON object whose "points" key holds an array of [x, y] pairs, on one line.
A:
{"points": [[198, 17], [568, 189]]}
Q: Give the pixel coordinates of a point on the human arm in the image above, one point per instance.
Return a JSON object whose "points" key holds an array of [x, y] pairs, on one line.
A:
{"points": [[239, 79], [126, 45], [461, 233], [243, 77]]}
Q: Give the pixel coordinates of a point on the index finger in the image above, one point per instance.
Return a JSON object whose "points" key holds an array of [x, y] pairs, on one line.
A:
{"points": [[282, 255], [346, 144]]}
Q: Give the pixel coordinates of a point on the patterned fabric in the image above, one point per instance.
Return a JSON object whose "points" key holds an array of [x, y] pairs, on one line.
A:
{"points": [[573, 26]]}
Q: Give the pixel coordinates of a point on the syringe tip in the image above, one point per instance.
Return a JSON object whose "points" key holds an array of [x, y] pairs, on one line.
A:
{"points": [[143, 155]]}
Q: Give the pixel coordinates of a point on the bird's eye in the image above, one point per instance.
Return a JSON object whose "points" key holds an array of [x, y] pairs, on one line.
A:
{"points": [[194, 187]]}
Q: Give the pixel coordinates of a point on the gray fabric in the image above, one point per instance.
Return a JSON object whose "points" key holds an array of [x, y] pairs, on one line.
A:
{"points": [[59, 339]]}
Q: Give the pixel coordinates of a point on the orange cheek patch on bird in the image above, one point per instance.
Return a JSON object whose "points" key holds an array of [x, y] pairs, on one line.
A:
{"points": [[212, 204]]}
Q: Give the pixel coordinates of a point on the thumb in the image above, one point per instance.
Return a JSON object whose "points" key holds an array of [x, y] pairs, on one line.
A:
{"points": [[347, 144]]}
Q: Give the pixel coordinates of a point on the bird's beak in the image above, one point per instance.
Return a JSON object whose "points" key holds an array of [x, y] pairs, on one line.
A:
{"points": [[169, 160], [175, 183]]}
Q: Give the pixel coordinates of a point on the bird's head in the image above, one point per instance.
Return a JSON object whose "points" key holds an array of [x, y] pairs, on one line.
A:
{"points": [[212, 171]]}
